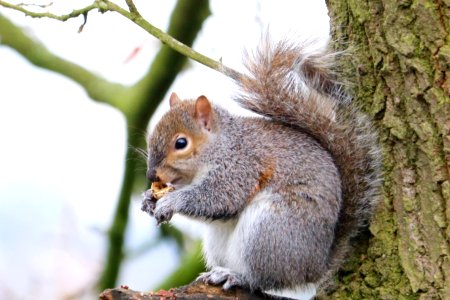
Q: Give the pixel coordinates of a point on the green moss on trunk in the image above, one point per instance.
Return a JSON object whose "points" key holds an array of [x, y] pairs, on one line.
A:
{"points": [[400, 66]]}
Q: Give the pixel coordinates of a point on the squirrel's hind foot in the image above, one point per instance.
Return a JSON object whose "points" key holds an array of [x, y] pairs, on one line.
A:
{"points": [[223, 276]]}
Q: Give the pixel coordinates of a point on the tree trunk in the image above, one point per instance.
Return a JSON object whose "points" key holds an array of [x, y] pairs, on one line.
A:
{"points": [[399, 65]]}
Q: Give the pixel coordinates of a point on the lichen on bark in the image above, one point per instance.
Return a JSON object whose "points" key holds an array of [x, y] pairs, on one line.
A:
{"points": [[399, 66]]}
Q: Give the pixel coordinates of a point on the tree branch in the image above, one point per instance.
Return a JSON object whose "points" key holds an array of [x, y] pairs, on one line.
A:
{"points": [[75, 13], [174, 43], [132, 7], [134, 16], [97, 88], [193, 291]]}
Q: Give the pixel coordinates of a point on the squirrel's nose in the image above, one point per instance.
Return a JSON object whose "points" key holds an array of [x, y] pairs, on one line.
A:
{"points": [[151, 175]]}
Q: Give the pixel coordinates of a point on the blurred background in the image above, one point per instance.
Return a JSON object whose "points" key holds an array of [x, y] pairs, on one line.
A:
{"points": [[63, 156]]}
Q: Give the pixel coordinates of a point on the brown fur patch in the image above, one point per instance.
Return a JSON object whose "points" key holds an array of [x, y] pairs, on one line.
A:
{"points": [[264, 177]]}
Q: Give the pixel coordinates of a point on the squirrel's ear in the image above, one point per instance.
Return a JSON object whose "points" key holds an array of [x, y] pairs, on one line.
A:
{"points": [[203, 112], [174, 100]]}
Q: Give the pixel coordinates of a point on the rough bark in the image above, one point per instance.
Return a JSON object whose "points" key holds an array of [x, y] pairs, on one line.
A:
{"points": [[400, 68], [192, 291]]}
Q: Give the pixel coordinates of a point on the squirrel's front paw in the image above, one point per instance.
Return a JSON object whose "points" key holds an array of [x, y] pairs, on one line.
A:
{"points": [[148, 202], [163, 212]]}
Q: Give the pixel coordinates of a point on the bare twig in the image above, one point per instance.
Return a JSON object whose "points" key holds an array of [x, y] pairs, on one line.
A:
{"points": [[133, 15], [75, 13], [132, 7], [84, 23], [36, 5]]}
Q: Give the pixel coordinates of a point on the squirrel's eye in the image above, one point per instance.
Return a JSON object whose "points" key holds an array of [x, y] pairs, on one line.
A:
{"points": [[181, 143]]}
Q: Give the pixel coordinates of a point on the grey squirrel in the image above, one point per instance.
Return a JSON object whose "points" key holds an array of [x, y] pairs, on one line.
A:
{"points": [[283, 194]]}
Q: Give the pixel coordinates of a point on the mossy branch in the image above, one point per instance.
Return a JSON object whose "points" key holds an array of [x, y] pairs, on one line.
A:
{"points": [[133, 15]]}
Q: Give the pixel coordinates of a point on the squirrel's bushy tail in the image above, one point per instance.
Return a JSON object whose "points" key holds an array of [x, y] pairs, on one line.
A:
{"points": [[296, 86]]}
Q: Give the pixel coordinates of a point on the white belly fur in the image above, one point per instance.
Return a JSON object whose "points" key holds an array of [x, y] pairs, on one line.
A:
{"points": [[304, 292], [223, 243]]}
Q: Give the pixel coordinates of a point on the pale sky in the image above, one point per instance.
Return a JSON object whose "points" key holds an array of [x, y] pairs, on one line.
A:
{"points": [[61, 154]]}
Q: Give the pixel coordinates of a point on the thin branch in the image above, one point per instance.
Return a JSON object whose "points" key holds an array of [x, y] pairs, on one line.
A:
{"points": [[36, 5], [98, 89], [134, 16], [174, 43], [75, 13], [132, 7], [84, 23]]}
